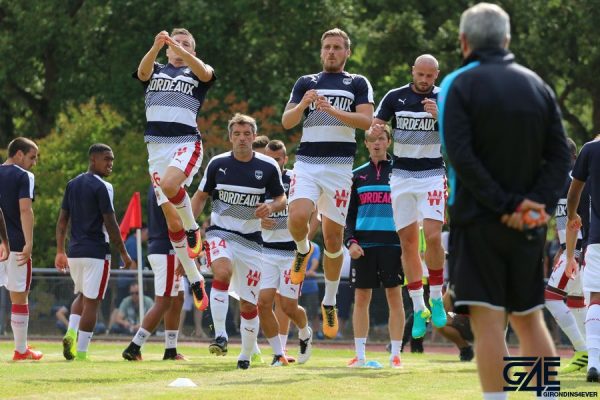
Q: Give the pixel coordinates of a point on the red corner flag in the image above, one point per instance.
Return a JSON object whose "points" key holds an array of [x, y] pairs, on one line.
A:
{"points": [[133, 216]]}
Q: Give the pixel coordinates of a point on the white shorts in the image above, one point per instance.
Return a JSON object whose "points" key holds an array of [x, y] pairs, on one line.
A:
{"points": [[184, 156], [558, 279], [276, 272], [328, 186], [416, 199], [591, 272], [166, 282], [90, 276], [246, 259], [16, 278]]}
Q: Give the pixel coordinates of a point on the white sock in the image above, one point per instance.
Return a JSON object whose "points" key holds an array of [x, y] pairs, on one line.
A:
{"points": [[141, 336], [256, 348], [275, 343], [495, 395], [184, 209], [74, 322], [331, 288], [19, 322], [83, 341], [283, 339], [579, 314], [249, 332], [304, 333], [435, 291], [171, 339], [396, 346], [360, 345], [303, 246], [219, 304], [592, 327], [417, 299], [566, 321], [179, 242], [593, 356]]}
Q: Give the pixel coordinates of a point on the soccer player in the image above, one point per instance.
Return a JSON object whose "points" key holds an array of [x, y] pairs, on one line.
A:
{"points": [[16, 197], [587, 172], [508, 156], [570, 317], [174, 95], [168, 288], [279, 251], [88, 205], [237, 182], [418, 185], [372, 241], [331, 105]]}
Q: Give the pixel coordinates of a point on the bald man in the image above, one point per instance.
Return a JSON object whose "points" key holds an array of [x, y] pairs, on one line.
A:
{"points": [[418, 184]]}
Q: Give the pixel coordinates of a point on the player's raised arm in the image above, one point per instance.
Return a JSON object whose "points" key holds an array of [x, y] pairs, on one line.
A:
{"points": [[146, 66], [183, 46], [293, 113]]}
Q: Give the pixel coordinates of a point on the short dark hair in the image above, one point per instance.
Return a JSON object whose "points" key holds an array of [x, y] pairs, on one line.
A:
{"points": [[276, 145], [260, 142], [572, 146], [98, 148], [21, 143]]}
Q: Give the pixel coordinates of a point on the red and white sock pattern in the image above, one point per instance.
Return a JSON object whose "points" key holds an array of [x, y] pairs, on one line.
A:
{"points": [[249, 332], [436, 281], [579, 311], [19, 322], [183, 205], [179, 243], [219, 304], [415, 291]]}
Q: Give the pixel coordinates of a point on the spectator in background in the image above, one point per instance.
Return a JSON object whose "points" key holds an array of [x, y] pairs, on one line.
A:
{"points": [[126, 319], [62, 313]]}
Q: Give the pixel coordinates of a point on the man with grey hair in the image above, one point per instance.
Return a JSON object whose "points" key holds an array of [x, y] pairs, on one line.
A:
{"points": [[498, 209], [418, 185]]}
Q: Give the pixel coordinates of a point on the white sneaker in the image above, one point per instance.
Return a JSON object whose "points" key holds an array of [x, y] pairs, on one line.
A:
{"points": [[305, 349], [356, 363]]}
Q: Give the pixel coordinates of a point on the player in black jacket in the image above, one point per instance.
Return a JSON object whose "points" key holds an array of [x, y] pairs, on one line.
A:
{"points": [[506, 146]]}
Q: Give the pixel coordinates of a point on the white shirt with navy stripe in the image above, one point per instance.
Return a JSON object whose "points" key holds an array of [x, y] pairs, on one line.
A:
{"points": [[417, 144], [237, 188], [326, 139]]}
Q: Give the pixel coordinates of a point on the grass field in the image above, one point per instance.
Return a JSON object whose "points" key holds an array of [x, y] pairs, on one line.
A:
{"points": [[107, 376]]}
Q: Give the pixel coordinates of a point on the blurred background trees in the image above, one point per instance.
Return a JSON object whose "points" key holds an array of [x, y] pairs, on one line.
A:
{"points": [[65, 76]]}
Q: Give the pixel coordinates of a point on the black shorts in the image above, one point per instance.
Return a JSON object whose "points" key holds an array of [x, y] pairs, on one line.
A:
{"points": [[495, 266], [380, 265]]}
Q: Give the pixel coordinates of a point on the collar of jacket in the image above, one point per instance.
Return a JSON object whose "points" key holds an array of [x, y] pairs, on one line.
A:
{"points": [[388, 159], [490, 54]]}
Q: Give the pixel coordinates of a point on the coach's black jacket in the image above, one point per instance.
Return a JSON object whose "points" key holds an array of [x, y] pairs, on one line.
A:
{"points": [[503, 137]]}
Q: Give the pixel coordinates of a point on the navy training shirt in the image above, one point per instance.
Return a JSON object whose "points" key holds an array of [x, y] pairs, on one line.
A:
{"points": [[587, 169], [16, 183], [87, 197]]}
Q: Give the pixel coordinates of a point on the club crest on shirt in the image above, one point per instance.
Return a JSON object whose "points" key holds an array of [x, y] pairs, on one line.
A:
{"points": [[347, 81], [258, 174]]}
